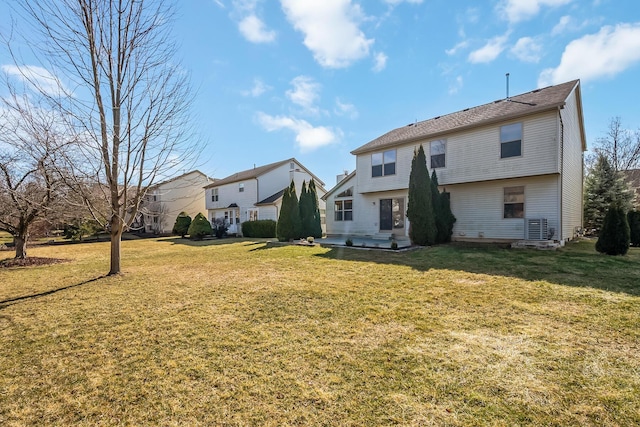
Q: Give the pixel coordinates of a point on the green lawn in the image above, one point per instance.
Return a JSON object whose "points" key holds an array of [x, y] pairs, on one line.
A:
{"points": [[241, 333]]}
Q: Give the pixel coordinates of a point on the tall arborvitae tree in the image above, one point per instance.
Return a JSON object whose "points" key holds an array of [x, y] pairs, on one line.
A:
{"points": [[633, 218], [306, 211], [420, 211], [316, 230], [614, 236], [289, 225], [603, 188], [284, 226], [295, 211]]}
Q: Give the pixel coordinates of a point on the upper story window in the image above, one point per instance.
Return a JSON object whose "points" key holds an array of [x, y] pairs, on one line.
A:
{"points": [[511, 140], [214, 194], [438, 153], [241, 187], [514, 202], [383, 164]]}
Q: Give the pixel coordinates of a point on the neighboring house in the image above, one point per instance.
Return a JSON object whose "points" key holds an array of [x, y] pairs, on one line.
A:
{"points": [[256, 194], [164, 201], [513, 169], [632, 178]]}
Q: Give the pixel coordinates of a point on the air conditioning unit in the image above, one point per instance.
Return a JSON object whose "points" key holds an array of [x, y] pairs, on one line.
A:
{"points": [[536, 229]]}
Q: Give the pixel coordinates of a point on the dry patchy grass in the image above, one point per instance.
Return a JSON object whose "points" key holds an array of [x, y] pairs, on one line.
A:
{"points": [[243, 333]]}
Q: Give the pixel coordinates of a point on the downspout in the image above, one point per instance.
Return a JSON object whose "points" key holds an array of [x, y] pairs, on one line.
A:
{"points": [[560, 232]]}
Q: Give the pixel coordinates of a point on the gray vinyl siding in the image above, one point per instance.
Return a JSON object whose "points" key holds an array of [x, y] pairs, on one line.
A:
{"points": [[478, 207], [474, 156], [572, 167]]}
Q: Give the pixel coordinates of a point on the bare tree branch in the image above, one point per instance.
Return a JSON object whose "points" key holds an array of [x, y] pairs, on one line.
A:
{"points": [[123, 93]]}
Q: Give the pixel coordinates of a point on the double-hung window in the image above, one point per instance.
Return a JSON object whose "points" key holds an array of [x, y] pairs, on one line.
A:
{"points": [[343, 210], [383, 164], [514, 202], [214, 194], [438, 153], [511, 140], [241, 187]]}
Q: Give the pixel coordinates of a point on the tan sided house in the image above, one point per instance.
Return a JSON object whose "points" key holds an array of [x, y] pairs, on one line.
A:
{"points": [[513, 169], [256, 194], [164, 201]]}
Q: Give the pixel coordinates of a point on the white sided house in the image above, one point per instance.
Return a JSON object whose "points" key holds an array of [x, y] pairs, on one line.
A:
{"points": [[256, 194], [164, 201], [513, 169]]}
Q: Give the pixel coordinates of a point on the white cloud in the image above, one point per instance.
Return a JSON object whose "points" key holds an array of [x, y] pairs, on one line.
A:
{"points": [[255, 31], [345, 109], [330, 29], [308, 137], [490, 51], [562, 25], [259, 87], [456, 85], [380, 62], [219, 3], [461, 45], [305, 93], [604, 54], [520, 10], [37, 78], [527, 49]]}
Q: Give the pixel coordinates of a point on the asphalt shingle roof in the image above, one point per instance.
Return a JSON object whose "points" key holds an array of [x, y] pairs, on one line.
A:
{"points": [[502, 109], [258, 171], [248, 174]]}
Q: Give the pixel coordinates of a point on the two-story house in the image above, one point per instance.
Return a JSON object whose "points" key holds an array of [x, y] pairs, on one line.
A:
{"points": [[256, 193], [513, 169], [164, 201]]}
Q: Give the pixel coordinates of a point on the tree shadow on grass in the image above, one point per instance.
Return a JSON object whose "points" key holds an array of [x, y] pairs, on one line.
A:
{"points": [[10, 301], [212, 242], [577, 264]]}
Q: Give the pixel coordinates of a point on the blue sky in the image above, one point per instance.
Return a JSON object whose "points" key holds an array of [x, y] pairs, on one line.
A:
{"points": [[316, 79]]}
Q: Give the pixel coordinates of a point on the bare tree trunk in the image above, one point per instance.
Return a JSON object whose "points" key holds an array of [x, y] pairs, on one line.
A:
{"points": [[21, 245], [116, 240]]}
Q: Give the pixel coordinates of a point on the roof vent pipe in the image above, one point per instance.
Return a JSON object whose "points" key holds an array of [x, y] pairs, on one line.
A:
{"points": [[507, 75]]}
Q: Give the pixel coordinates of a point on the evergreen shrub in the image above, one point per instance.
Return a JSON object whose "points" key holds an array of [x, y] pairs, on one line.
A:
{"points": [[181, 226], [614, 235], [199, 227], [633, 217], [260, 228]]}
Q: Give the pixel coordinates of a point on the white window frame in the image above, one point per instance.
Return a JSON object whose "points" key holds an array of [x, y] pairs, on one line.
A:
{"points": [[506, 137], [383, 159], [436, 143]]}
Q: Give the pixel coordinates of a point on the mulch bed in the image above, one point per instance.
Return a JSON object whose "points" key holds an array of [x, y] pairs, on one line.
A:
{"points": [[29, 262]]}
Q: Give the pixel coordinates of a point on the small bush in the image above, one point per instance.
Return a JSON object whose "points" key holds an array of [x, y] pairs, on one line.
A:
{"points": [[260, 228], [220, 227], [634, 227], [348, 242], [199, 227], [181, 226], [394, 245], [614, 234]]}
